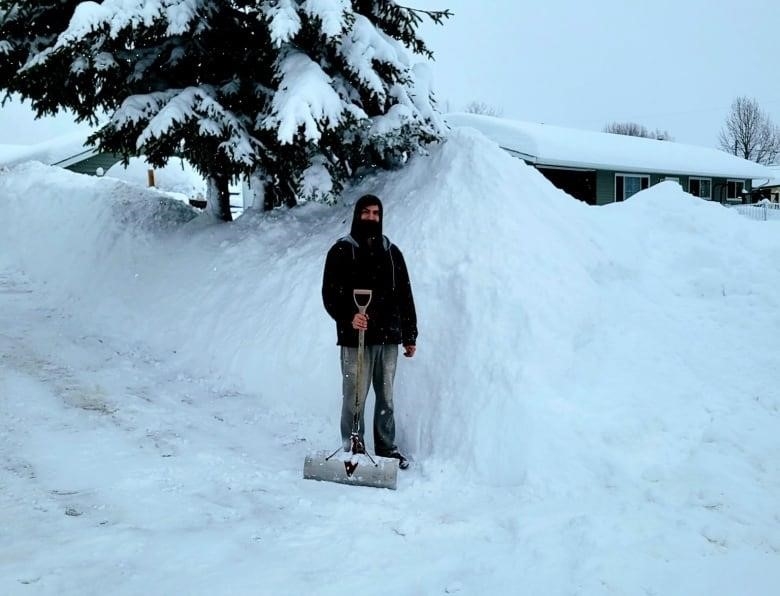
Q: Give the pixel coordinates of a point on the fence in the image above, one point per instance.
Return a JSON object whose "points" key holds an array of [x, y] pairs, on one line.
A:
{"points": [[762, 211]]}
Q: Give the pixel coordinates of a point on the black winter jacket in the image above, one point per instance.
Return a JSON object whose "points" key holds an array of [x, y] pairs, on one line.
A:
{"points": [[391, 314]]}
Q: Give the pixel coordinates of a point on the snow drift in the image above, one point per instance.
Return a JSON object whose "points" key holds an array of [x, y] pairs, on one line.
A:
{"points": [[546, 325], [622, 356]]}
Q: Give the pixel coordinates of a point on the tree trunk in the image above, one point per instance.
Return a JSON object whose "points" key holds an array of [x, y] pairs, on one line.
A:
{"points": [[254, 191], [278, 193], [269, 198], [218, 197]]}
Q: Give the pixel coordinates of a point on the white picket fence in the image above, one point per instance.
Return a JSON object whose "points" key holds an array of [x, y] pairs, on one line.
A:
{"points": [[762, 211]]}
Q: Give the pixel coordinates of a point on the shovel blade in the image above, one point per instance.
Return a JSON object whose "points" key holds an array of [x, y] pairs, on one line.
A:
{"points": [[384, 474]]}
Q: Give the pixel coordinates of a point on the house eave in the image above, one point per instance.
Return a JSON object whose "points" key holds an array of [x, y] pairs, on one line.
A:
{"points": [[74, 159], [633, 168]]}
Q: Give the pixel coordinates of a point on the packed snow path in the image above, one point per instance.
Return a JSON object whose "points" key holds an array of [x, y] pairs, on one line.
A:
{"points": [[123, 474]]}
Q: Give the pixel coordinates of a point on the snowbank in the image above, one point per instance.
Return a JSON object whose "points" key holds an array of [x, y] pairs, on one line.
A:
{"points": [[611, 369], [548, 329]]}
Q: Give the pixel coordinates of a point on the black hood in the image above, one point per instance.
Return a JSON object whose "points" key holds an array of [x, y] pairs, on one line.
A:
{"points": [[362, 230]]}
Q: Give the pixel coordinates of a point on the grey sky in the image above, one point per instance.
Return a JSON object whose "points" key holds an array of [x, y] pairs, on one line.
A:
{"points": [[18, 125], [671, 64], [675, 65]]}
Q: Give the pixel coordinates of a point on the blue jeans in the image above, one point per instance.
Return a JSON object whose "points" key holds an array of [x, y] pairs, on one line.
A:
{"points": [[379, 362]]}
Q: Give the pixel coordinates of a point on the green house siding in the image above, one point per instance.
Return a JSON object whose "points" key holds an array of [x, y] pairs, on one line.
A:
{"points": [[91, 164], [719, 189], [605, 185]]}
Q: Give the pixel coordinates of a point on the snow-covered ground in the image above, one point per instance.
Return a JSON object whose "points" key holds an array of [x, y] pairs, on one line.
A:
{"points": [[593, 408]]}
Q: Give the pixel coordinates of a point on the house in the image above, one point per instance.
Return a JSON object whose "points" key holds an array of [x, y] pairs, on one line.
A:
{"points": [[768, 188], [601, 168], [66, 151]]}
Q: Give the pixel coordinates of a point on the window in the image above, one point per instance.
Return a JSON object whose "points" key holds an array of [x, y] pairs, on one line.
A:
{"points": [[700, 187], [627, 185], [734, 190]]}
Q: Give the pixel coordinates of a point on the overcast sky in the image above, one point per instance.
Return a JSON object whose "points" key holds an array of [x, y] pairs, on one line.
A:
{"points": [[675, 65], [671, 64]]}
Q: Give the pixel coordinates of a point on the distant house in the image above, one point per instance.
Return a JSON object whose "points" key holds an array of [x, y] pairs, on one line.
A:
{"points": [[66, 152], [601, 168], [768, 188]]}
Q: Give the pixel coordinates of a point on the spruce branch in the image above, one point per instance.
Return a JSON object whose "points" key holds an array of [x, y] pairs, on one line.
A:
{"points": [[437, 16]]}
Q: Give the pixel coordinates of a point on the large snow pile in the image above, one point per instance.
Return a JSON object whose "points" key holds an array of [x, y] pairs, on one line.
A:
{"points": [[593, 404]]}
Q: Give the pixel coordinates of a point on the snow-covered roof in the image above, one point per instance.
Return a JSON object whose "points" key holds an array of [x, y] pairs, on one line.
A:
{"points": [[61, 151], [773, 181], [543, 144]]}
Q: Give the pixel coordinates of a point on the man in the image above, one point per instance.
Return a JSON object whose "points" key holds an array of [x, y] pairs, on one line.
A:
{"points": [[366, 259]]}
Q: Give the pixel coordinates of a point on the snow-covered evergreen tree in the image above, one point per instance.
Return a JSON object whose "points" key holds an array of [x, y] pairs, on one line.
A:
{"points": [[296, 95], [171, 74], [346, 87], [27, 28]]}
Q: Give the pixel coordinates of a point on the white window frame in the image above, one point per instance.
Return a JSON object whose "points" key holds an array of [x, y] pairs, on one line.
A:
{"points": [[631, 175], [736, 181], [700, 178]]}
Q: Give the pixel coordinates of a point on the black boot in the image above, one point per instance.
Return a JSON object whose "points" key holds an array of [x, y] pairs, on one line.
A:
{"points": [[403, 463]]}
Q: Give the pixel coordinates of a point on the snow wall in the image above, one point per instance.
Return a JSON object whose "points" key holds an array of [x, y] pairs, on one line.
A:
{"points": [[551, 332]]}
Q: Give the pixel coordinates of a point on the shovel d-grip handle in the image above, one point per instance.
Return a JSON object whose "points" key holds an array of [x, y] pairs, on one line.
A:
{"points": [[362, 299]]}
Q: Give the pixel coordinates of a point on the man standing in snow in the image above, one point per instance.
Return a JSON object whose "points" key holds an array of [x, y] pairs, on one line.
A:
{"points": [[366, 259]]}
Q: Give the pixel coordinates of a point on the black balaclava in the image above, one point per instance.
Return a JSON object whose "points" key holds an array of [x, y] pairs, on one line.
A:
{"points": [[365, 231]]}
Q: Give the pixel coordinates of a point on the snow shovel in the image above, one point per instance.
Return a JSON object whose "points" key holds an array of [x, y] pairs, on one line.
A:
{"points": [[353, 465]]}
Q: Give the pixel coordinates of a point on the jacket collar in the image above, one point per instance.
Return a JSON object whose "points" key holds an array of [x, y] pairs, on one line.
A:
{"points": [[348, 238]]}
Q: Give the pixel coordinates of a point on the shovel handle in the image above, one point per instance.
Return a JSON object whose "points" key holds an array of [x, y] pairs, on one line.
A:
{"points": [[362, 299], [358, 296]]}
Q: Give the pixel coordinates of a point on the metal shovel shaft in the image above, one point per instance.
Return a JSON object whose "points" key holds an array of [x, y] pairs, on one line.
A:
{"points": [[362, 307]]}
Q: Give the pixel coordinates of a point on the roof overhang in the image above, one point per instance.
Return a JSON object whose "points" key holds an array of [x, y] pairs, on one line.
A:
{"points": [[74, 159], [568, 148]]}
